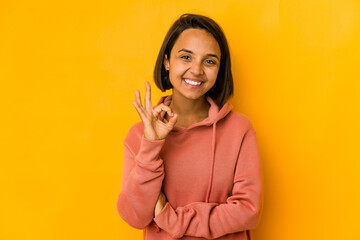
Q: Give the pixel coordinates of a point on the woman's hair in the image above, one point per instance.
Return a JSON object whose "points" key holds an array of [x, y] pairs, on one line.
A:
{"points": [[223, 87]]}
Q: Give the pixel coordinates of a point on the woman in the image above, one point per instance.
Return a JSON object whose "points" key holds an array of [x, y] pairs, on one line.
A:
{"points": [[191, 166]]}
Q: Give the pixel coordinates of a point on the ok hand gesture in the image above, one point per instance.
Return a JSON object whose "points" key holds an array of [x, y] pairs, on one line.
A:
{"points": [[154, 129]]}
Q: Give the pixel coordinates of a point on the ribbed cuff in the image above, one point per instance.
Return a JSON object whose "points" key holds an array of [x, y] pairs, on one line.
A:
{"points": [[148, 155]]}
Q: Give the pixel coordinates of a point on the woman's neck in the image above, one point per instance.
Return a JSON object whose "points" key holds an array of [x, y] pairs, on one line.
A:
{"points": [[189, 111]]}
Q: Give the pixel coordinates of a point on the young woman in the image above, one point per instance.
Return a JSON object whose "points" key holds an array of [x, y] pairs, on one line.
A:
{"points": [[191, 166]]}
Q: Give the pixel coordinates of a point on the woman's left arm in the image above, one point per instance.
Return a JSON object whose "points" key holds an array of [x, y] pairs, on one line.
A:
{"points": [[241, 211]]}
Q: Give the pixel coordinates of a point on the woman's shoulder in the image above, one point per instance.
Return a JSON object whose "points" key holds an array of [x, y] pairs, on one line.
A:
{"points": [[239, 120]]}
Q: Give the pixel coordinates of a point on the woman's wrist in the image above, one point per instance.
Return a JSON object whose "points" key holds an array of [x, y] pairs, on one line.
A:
{"points": [[153, 138]]}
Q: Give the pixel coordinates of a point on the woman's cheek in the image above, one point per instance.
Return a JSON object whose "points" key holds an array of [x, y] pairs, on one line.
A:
{"points": [[212, 74], [180, 68]]}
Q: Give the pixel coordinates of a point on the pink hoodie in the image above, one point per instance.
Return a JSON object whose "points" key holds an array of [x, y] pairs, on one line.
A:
{"points": [[210, 173]]}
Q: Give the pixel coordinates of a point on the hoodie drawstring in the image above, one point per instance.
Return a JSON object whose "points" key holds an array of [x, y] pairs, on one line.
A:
{"points": [[212, 162]]}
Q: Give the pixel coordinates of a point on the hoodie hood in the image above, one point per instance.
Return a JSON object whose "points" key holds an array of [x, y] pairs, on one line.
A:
{"points": [[215, 115]]}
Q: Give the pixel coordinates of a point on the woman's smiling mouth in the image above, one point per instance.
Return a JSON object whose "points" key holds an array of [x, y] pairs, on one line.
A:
{"points": [[192, 83]]}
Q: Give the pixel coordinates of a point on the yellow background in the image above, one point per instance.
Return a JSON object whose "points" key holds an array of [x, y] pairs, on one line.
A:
{"points": [[68, 74]]}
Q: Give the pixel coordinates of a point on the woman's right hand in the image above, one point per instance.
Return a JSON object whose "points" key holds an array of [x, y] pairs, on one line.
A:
{"points": [[160, 204], [154, 129]]}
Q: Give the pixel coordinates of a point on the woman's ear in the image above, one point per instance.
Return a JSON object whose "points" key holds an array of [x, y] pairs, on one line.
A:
{"points": [[166, 63]]}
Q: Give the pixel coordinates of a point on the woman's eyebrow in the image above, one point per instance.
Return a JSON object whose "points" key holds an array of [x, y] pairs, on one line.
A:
{"points": [[189, 51]]}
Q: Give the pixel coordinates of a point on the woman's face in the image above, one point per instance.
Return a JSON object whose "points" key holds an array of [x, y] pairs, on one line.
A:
{"points": [[194, 63]]}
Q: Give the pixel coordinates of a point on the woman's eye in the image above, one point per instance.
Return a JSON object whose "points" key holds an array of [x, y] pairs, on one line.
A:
{"points": [[186, 57], [210, 62]]}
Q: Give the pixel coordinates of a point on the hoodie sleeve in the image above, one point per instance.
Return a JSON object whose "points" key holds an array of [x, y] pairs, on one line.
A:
{"points": [[241, 211], [143, 173]]}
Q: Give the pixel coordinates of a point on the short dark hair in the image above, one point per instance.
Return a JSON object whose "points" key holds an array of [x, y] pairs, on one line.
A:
{"points": [[224, 86]]}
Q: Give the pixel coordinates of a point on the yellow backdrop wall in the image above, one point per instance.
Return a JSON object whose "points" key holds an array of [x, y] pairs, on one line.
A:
{"points": [[68, 73]]}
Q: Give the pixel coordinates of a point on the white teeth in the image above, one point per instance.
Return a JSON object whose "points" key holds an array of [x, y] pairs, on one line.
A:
{"points": [[192, 82]]}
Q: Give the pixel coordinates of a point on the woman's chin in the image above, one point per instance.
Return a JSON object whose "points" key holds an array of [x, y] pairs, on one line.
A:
{"points": [[192, 96]]}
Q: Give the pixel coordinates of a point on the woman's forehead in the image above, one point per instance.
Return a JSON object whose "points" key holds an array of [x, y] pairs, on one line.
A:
{"points": [[197, 41]]}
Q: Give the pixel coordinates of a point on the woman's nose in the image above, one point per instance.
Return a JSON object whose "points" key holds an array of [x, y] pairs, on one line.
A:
{"points": [[196, 68]]}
